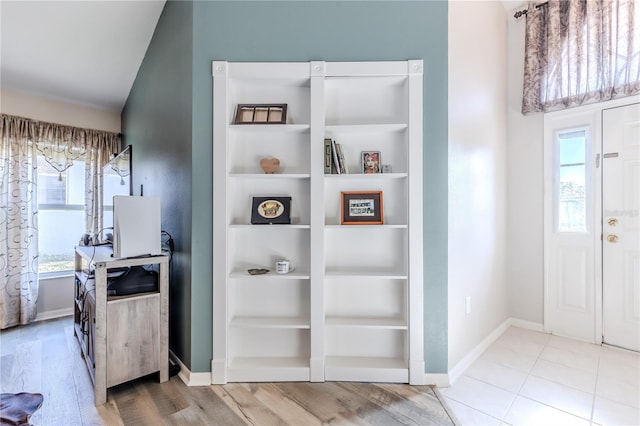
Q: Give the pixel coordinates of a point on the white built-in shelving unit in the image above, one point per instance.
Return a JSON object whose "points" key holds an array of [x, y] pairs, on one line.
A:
{"points": [[352, 308]]}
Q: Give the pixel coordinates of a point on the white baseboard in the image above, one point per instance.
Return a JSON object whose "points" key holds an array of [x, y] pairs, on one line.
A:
{"points": [[439, 380], [458, 370], [58, 313], [189, 378], [527, 325]]}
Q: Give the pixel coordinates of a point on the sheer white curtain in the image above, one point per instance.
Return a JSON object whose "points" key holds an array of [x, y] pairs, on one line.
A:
{"points": [[100, 147], [62, 145], [579, 52], [21, 141]]}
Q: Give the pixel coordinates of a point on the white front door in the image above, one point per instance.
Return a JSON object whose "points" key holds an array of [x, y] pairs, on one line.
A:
{"points": [[621, 226], [570, 225]]}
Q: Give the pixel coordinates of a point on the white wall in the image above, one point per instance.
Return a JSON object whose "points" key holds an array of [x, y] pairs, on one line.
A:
{"points": [[56, 111], [55, 295], [477, 173], [525, 267]]}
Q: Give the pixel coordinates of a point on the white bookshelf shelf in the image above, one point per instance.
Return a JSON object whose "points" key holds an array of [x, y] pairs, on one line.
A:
{"points": [[272, 176], [269, 369], [364, 273], [387, 127], [295, 275], [372, 369], [354, 176], [366, 227], [245, 226], [269, 128], [358, 362], [378, 323], [257, 363], [269, 322]]}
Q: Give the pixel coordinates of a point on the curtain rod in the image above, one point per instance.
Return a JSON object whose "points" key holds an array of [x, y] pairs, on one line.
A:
{"points": [[524, 12]]}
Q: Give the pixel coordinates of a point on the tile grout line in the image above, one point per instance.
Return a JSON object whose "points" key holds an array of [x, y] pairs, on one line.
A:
{"points": [[559, 382], [474, 408], [517, 393], [590, 420], [447, 409], [595, 385]]}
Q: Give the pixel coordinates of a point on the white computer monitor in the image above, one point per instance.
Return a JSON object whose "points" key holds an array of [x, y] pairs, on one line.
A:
{"points": [[136, 226]]}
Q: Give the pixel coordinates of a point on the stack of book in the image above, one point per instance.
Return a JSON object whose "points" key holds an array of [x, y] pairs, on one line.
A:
{"points": [[334, 162]]}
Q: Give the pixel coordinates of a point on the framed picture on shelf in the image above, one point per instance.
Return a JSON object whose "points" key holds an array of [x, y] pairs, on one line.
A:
{"points": [[361, 208], [271, 210], [370, 162], [261, 114]]}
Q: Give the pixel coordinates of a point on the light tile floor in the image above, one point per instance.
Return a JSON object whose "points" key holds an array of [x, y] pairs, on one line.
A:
{"points": [[532, 378]]}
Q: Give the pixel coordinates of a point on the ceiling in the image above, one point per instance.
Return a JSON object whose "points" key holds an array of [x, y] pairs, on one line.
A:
{"points": [[80, 51], [85, 52]]}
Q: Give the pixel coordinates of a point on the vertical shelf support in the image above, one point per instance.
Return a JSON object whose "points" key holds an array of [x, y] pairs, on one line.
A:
{"points": [[317, 221], [221, 116], [416, 280]]}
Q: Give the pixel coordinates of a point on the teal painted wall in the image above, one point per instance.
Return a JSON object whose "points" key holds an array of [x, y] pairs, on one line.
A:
{"points": [[278, 31], [330, 31], [156, 120]]}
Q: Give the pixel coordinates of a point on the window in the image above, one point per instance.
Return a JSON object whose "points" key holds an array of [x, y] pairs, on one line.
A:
{"points": [[61, 212], [572, 177], [113, 184], [61, 220]]}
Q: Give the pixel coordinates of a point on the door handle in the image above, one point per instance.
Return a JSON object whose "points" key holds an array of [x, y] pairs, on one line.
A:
{"points": [[612, 238], [612, 222]]}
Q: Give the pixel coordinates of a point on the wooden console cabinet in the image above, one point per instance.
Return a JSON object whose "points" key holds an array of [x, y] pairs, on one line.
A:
{"points": [[121, 337]]}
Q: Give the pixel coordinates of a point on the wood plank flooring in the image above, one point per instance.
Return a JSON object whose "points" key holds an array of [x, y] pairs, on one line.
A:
{"points": [[44, 357]]}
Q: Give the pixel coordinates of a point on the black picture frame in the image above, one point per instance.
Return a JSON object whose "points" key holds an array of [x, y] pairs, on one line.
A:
{"points": [[261, 114], [271, 211], [361, 208]]}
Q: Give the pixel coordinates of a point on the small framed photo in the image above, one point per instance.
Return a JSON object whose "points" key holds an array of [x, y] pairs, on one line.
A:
{"points": [[370, 162], [261, 114], [361, 208], [271, 210]]}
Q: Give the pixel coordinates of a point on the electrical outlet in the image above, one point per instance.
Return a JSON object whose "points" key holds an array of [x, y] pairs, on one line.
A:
{"points": [[467, 306]]}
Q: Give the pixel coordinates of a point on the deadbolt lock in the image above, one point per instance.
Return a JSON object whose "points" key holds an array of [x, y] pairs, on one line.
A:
{"points": [[612, 222], [612, 238]]}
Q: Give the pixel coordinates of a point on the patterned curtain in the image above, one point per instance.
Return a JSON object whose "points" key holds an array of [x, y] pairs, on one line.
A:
{"points": [[21, 141], [18, 223], [579, 52]]}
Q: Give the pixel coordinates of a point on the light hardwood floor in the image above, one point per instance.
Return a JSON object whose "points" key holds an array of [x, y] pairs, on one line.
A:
{"points": [[44, 357]]}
